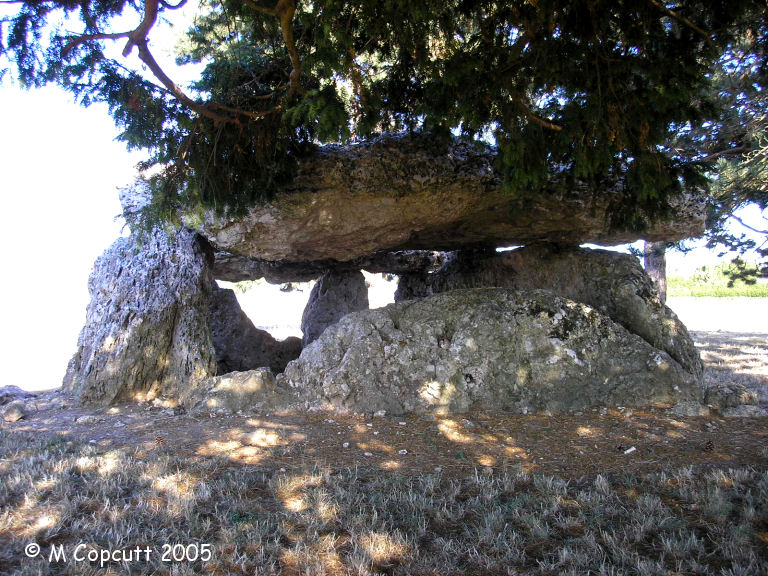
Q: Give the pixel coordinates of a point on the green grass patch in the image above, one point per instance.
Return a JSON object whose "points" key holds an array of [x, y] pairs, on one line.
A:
{"points": [[684, 287], [727, 280], [259, 520]]}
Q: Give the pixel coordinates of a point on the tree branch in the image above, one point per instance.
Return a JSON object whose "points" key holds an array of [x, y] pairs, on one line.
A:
{"points": [[173, 6], [683, 20], [146, 56], [286, 23], [285, 10], [537, 119], [727, 152], [138, 37], [75, 42], [747, 226]]}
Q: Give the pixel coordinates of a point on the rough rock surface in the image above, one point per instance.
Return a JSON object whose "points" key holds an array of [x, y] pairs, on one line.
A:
{"points": [[335, 294], [146, 332], [236, 392], [614, 283], [233, 268], [239, 345], [14, 411], [11, 393], [410, 193], [493, 348]]}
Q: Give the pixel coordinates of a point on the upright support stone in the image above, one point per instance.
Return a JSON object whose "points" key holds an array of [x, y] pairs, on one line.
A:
{"points": [[147, 330], [335, 295], [240, 346]]}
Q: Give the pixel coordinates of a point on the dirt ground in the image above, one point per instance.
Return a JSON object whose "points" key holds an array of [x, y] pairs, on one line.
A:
{"points": [[599, 440]]}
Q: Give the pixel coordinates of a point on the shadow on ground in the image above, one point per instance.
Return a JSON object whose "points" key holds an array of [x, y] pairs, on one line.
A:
{"points": [[735, 358]]}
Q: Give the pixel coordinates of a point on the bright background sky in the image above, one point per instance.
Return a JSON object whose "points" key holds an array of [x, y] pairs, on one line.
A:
{"points": [[61, 168]]}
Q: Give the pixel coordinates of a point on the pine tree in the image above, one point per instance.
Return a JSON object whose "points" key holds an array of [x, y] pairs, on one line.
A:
{"points": [[582, 90], [734, 146]]}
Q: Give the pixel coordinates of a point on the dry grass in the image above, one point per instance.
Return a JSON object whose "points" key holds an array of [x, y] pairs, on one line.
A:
{"points": [[55, 491], [735, 358], [472, 494]]}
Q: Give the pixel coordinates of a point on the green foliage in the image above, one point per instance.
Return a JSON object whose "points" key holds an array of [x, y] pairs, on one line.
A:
{"points": [[735, 145], [730, 279], [567, 89]]}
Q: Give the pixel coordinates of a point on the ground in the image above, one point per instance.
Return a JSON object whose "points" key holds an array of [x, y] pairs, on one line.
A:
{"points": [[569, 445], [612, 491]]}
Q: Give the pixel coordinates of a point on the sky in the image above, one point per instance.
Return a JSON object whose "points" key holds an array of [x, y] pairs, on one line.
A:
{"points": [[60, 170]]}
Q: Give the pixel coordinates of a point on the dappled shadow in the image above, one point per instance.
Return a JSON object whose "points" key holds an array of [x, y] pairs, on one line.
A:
{"points": [[573, 445], [269, 488], [325, 494], [735, 358]]}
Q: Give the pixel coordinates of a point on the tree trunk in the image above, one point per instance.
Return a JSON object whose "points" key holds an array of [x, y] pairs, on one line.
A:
{"points": [[655, 262]]}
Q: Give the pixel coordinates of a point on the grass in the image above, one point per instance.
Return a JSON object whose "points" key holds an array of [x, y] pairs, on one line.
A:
{"points": [[713, 281], [678, 286], [54, 491]]}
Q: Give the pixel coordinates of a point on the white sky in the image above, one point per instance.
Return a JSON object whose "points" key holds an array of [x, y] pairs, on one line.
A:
{"points": [[60, 168]]}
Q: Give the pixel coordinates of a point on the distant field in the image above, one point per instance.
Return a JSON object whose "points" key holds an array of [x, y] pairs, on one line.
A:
{"points": [[686, 287], [713, 281]]}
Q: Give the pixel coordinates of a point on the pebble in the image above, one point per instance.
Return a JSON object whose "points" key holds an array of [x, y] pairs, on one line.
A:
{"points": [[87, 419], [402, 452]]}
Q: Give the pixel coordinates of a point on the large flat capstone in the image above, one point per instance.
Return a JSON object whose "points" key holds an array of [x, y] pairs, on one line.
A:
{"points": [[410, 193]]}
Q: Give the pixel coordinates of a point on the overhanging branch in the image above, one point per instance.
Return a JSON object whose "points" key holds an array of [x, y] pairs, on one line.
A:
{"points": [[285, 10], [139, 38], [683, 20]]}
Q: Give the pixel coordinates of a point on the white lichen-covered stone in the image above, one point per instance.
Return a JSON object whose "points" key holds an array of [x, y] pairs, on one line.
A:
{"points": [[612, 282], [14, 411], [147, 328], [12, 393], [238, 391], [493, 348]]}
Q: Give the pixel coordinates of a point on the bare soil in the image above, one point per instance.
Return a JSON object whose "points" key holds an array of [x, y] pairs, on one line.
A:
{"points": [[575, 445]]}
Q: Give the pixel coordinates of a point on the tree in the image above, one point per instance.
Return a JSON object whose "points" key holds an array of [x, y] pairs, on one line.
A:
{"points": [[734, 145], [575, 90], [655, 263]]}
